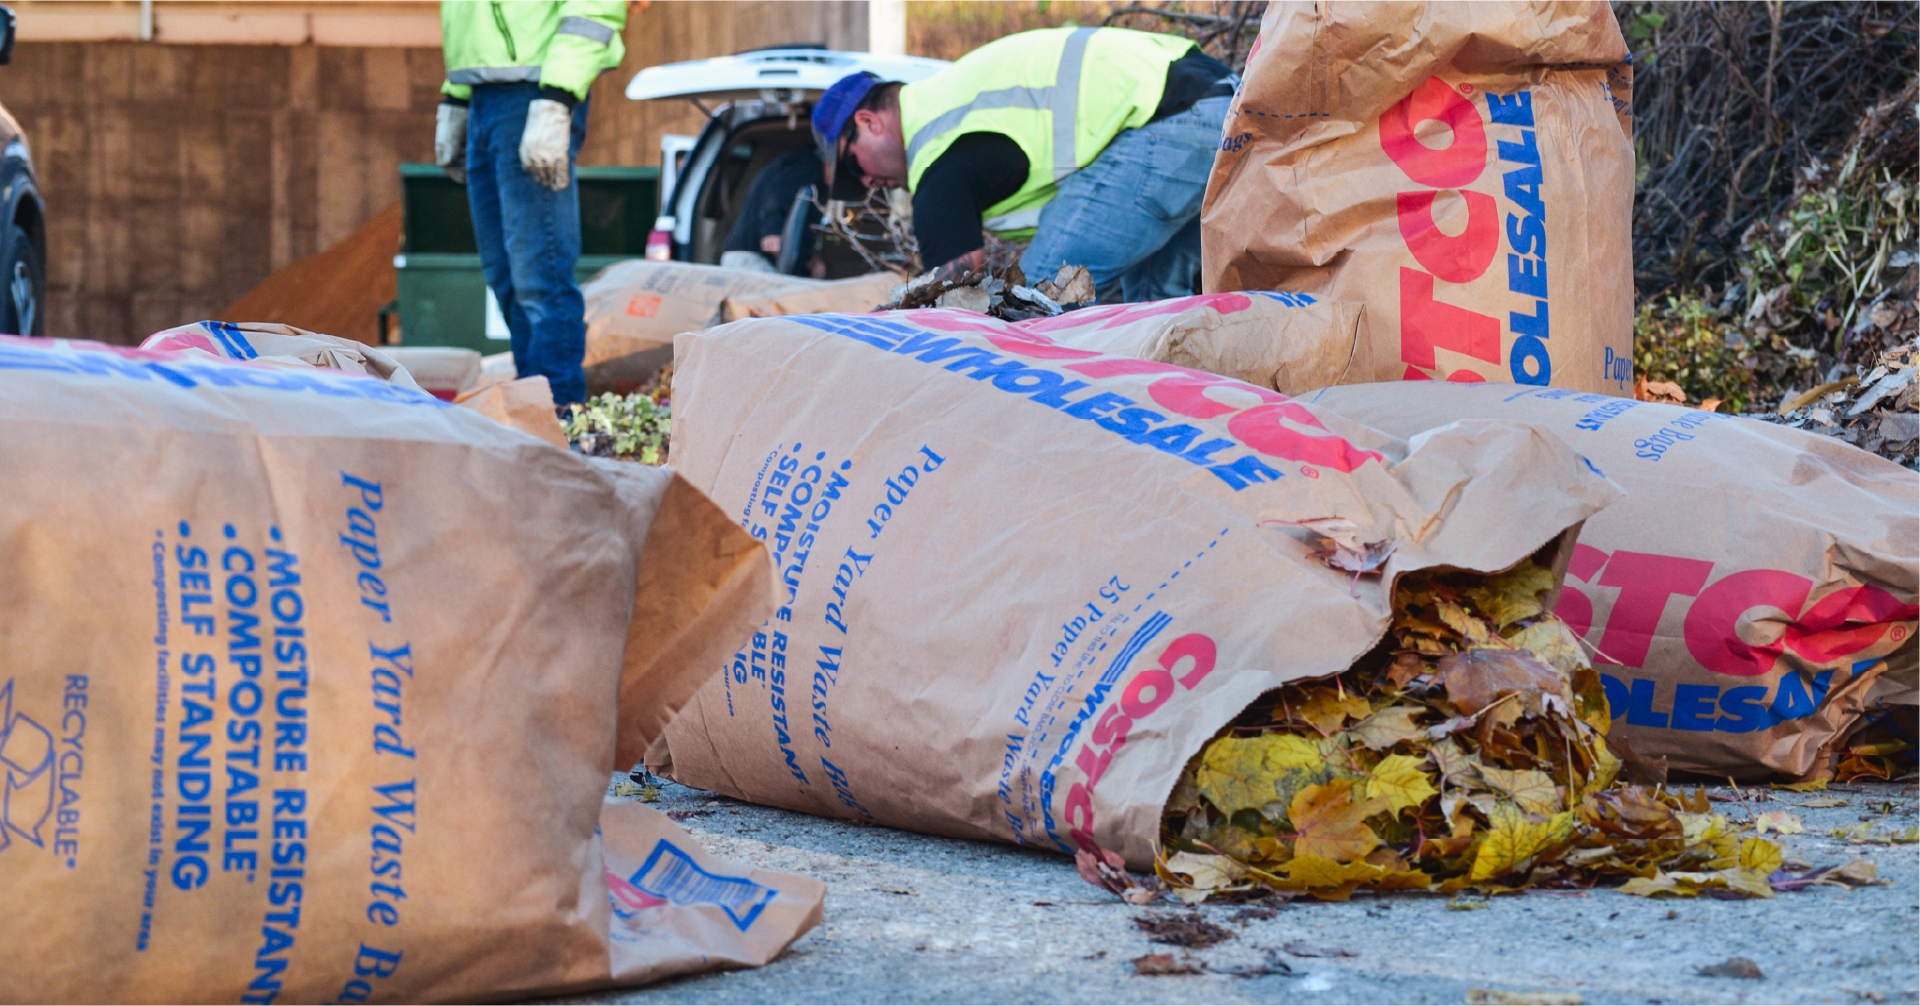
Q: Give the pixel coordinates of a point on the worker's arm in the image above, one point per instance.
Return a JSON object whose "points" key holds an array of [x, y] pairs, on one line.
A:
{"points": [[586, 44], [958, 268], [977, 171]]}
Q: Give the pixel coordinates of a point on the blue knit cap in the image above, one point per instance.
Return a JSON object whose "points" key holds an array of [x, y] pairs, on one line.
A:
{"points": [[831, 112]]}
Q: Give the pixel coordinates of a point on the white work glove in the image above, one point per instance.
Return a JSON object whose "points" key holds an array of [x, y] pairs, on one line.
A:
{"points": [[450, 141], [543, 147]]}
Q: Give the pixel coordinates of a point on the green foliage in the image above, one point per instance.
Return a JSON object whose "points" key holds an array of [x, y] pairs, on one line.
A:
{"points": [[631, 427], [1680, 339], [1819, 262]]}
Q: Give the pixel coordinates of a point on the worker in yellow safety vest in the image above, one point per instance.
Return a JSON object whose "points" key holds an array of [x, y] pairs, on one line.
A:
{"points": [[512, 116], [1095, 143]]}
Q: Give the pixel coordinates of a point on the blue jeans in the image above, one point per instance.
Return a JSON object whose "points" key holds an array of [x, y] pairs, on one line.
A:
{"points": [[1132, 217], [529, 237]]}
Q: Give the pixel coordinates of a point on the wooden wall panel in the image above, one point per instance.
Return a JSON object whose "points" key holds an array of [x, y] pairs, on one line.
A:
{"points": [[179, 176]]}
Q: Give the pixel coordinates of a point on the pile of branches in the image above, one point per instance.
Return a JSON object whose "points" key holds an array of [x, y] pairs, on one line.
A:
{"points": [[879, 229], [1822, 291], [1224, 29], [1730, 100]]}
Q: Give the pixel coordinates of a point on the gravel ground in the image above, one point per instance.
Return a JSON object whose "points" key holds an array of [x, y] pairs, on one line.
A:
{"points": [[916, 919]]}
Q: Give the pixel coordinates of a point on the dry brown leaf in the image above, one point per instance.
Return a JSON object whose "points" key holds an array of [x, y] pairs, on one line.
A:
{"points": [[1406, 667], [1533, 791], [1208, 871], [1496, 997], [1732, 967], [1342, 547], [1161, 965], [1389, 726], [1301, 948], [1476, 678], [1329, 823], [1329, 709]]}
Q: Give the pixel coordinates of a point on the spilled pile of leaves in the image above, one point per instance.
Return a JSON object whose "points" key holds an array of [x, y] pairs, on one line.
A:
{"points": [[631, 427], [1882, 749], [1466, 753]]}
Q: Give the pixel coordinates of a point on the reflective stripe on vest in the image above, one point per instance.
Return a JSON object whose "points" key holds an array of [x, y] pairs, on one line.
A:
{"points": [[494, 75], [1062, 99], [1019, 220], [586, 28]]}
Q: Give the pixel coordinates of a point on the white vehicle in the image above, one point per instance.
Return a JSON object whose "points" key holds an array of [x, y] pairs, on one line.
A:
{"points": [[758, 105]]}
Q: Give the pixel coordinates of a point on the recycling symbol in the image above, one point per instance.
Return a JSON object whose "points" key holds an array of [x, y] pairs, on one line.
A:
{"points": [[26, 756]]}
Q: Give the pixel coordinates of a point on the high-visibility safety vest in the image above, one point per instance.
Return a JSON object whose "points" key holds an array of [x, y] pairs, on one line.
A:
{"points": [[1062, 94], [563, 44]]}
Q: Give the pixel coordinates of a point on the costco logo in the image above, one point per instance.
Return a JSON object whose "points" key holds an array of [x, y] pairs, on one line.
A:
{"points": [[26, 756]]}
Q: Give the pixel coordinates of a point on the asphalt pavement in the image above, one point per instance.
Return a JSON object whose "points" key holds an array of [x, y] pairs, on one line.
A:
{"points": [[910, 918]]}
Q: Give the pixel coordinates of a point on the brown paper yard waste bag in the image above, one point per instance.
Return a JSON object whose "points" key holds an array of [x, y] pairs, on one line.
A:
{"points": [[638, 305], [310, 685], [1464, 169], [847, 296], [284, 345], [1290, 342], [1751, 590], [1020, 583], [525, 404]]}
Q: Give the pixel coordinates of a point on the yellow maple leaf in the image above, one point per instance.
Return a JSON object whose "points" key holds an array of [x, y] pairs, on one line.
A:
{"points": [[1460, 620], [1551, 641], [1401, 880], [1606, 767], [1399, 781], [1759, 855], [1752, 883], [1697, 828], [1658, 885], [1780, 821], [1306, 872], [1329, 823], [1388, 727], [1526, 579], [1512, 596], [1329, 709], [1208, 872], [1532, 790], [1238, 773], [1456, 766], [1512, 841]]}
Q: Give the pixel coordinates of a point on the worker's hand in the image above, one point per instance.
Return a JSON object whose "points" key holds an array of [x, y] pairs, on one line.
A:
{"points": [[450, 141], [770, 244], [543, 147]]}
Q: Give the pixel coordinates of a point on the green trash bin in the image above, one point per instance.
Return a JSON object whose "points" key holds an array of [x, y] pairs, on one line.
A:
{"points": [[443, 299]]}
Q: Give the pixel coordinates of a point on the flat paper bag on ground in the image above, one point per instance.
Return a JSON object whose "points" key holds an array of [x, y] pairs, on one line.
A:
{"points": [[1749, 592], [1290, 342], [308, 688], [998, 557], [635, 308], [1464, 169]]}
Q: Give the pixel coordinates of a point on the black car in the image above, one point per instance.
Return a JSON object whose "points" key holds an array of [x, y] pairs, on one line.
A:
{"points": [[23, 241]]}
